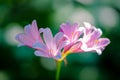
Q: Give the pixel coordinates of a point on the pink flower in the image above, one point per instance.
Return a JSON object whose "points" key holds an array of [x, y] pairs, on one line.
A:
{"points": [[30, 36], [48, 46], [51, 46], [91, 40], [72, 33], [83, 39], [71, 38]]}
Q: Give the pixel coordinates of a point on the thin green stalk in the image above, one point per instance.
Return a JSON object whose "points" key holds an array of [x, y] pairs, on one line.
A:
{"points": [[58, 69]]}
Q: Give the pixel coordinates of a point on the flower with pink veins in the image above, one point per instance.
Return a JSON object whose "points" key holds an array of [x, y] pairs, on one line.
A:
{"points": [[91, 40], [72, 33], [48, 46]]}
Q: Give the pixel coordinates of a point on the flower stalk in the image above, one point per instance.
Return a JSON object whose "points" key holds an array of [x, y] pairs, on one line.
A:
{"points": [[58, 69]]}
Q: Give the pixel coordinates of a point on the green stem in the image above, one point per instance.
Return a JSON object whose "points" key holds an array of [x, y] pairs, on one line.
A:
{"points": [[58, 69]]}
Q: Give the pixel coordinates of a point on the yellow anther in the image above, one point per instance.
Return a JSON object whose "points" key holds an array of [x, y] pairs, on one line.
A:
{"points": [[96, 41]]}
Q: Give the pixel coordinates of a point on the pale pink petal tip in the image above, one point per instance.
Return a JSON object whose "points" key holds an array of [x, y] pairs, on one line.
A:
{"points": [[40, 53], [103, 42]]}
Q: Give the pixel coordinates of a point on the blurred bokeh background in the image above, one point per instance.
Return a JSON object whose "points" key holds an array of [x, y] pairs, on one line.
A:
{"points": [[21, 63]]}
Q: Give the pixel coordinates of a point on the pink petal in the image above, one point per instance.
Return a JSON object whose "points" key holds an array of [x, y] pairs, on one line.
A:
{"points": [[24, 39], [66, 48], [76, 47], [48, 38], [77, 35], [64, 28], [62, 44], [41, 53], [103, 42], [40, 46], [35, 31], [71, 31], [30, 36], [74, 27], [95, 34], [58, 37], [88, 28], [32, 31], [60, 40]]}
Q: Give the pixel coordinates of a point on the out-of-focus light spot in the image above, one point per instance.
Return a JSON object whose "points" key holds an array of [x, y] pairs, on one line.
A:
{"points": [[106, 2], [62, 14], [81, 15], [89, 73], [48, 63], [61, 3], [108, 17], [11, 31], [73, 15], [117, 3], [86, 2], [4, 76], [40, 4]]}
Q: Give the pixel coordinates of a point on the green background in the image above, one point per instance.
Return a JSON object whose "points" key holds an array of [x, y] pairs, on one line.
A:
{"points": [[21, 63]]}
